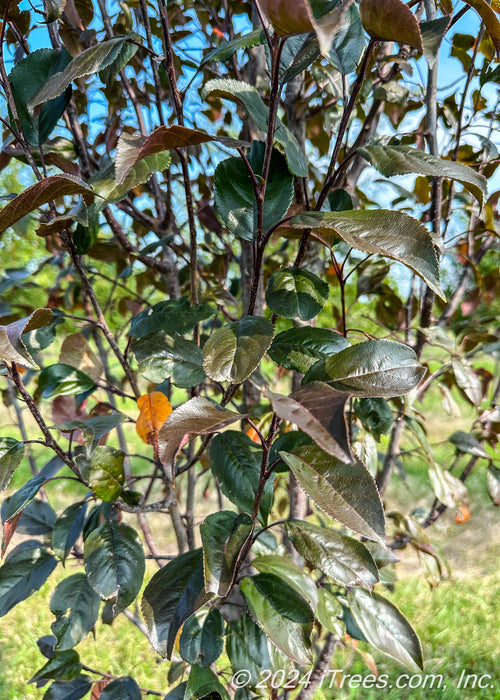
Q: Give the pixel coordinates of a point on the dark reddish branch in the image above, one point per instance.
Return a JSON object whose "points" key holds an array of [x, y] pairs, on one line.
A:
{"points": [[277, 45], [332, 174], [346, 115], [320, 670], [169, 65], [154, 64], [33, 408], [103, 325]]}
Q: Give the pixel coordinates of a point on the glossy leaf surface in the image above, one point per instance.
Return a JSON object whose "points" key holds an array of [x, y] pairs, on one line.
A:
{"points": [[344, 559], [346, 492], [375, 368], [172, 595], [234, 351], [385, 627], [114, 563], [223, 535]]}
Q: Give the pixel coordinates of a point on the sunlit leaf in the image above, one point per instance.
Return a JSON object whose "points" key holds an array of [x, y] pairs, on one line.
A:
{"points": [[342, 558], [223, 535], [402, 160], [134, 147], [375, 368], [318, 410], [346, 492], [234, 351], [392, 234], [198, 416], [385, 627]]}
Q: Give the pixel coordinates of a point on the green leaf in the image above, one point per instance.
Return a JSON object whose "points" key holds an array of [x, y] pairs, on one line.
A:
{"points": [[386, 628], [53, 9], [178, 693], [287, 442], [203, 683], [392, 234], [25, 571], [235, 461], [433, 32], [318, 410], [38, 518], [174, 593], [329, 611], [71, 690], [228, 48], [375, 368], [20, 499], [467, 443], [447, 488], [62, 666], [246, 647], [344, 559], [94, 428], [76, 607], [248, 97], [286, 569], [198, 416], [90, 61], [124, 55], [124, 688], [163, 357], [348, 42], [63, 380], [346, 492], [235, 197], [68, 528], [298, 54], [300, 348], [104, 180], [132, 148], [114, 562], [296, 293], [375, 414], [11, 454], [235, 350], [202, 638], [223, 535], [402, 160], [103, 472], [38, 194], [170, 317], [25, 78], [283, 614]]}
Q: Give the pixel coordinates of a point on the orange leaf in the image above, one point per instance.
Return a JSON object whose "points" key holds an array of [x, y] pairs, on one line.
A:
{"points": [[97, 689], [462, 514], [154, 411], [252, 434]]}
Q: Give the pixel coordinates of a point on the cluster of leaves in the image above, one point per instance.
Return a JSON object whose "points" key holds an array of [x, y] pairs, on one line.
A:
{"points": [[223, 284]]}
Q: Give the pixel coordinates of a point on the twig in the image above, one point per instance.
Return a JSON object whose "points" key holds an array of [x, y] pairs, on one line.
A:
{"points": [[35, 412]]}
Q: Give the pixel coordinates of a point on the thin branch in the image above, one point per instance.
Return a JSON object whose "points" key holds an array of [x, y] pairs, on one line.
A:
{"points": [[35, 412]]}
